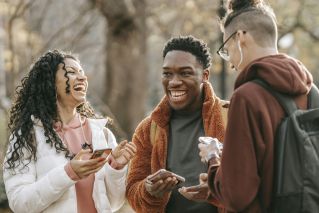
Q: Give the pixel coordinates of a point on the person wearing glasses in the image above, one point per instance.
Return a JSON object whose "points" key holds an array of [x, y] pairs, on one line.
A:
{"points": [[47, 168], [242, 178], [168, 138]]}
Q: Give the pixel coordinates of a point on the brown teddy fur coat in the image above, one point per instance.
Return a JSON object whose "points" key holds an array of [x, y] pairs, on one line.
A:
{"points": [[152, 154]]}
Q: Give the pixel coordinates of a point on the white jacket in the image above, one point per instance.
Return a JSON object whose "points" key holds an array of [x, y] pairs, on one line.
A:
{"points": [[45, 186]]}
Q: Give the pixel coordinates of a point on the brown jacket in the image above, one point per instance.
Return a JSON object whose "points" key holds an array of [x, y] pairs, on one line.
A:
{"points": [[150, 158], [245, 175]]}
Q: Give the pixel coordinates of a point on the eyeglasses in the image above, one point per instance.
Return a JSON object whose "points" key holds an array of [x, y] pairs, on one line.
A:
{"points": [[224, 52]]}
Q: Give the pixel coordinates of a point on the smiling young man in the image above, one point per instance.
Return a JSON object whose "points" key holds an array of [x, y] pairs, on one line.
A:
{"points": [[168, 138]]}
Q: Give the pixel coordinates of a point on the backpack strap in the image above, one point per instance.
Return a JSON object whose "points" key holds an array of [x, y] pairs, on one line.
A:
{"points": [[224, 111], [284, 100], [153, 132], [313, 97]]}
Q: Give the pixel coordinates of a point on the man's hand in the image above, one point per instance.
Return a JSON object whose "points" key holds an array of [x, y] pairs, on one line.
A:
{"points": [[122, 154], [159, 186], [84, 168], [197, 193]]}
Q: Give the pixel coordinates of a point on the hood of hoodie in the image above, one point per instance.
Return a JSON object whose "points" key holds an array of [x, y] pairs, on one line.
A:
{"points": [[283, 73]]}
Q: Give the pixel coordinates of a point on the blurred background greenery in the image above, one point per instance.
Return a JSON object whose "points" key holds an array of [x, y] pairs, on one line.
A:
{"points": [[119, 43]]}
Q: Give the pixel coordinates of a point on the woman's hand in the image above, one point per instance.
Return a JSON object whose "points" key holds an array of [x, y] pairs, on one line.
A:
{"points": [[122, 154], [84, 168]]}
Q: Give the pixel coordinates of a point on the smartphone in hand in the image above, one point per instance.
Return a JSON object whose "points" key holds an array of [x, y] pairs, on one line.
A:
{"points": [[101, 153], [163, 174]]}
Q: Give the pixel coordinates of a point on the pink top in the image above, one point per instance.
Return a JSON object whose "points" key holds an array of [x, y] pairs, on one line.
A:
{"points": [[73, 137]]}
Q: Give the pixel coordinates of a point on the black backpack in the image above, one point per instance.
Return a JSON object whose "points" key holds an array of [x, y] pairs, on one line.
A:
{"points": [[296, 169]]}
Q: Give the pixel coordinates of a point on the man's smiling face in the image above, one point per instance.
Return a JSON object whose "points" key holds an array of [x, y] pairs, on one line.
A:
{"points": [[182, 80]]}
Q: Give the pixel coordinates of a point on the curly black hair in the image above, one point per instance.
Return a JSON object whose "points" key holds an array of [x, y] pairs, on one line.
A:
{"points": [[36, 97], [190, 44]]}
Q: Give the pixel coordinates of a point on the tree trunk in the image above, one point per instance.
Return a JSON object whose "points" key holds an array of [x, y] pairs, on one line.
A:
{"points": [[126, 86]]}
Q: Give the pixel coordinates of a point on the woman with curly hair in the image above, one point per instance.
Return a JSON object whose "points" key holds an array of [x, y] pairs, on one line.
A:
{"points": [[47, 168]]}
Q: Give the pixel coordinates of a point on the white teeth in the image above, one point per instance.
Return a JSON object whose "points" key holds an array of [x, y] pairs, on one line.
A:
{"points": [[177, 93], [79, 87]]}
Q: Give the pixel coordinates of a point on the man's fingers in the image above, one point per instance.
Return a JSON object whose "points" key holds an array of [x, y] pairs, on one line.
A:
{"points": [[170, 183], [197, 193], [187, 194], [203, 177], [162, 186], [196, 188], [157, 185]]}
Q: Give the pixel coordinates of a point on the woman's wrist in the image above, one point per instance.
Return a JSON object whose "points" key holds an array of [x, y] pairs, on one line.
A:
{"points": [[113, 163], [70, 172]]}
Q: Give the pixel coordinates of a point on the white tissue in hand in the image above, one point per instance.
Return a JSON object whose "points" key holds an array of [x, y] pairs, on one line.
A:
{"points": [[214, 141]]}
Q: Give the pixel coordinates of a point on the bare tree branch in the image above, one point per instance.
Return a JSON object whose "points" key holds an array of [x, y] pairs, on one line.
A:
{"points": [[121, 9], [309, 32], [298, 24], [76, 20], [17, 13], [82, 32], [39, 22], [295, 25]]}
